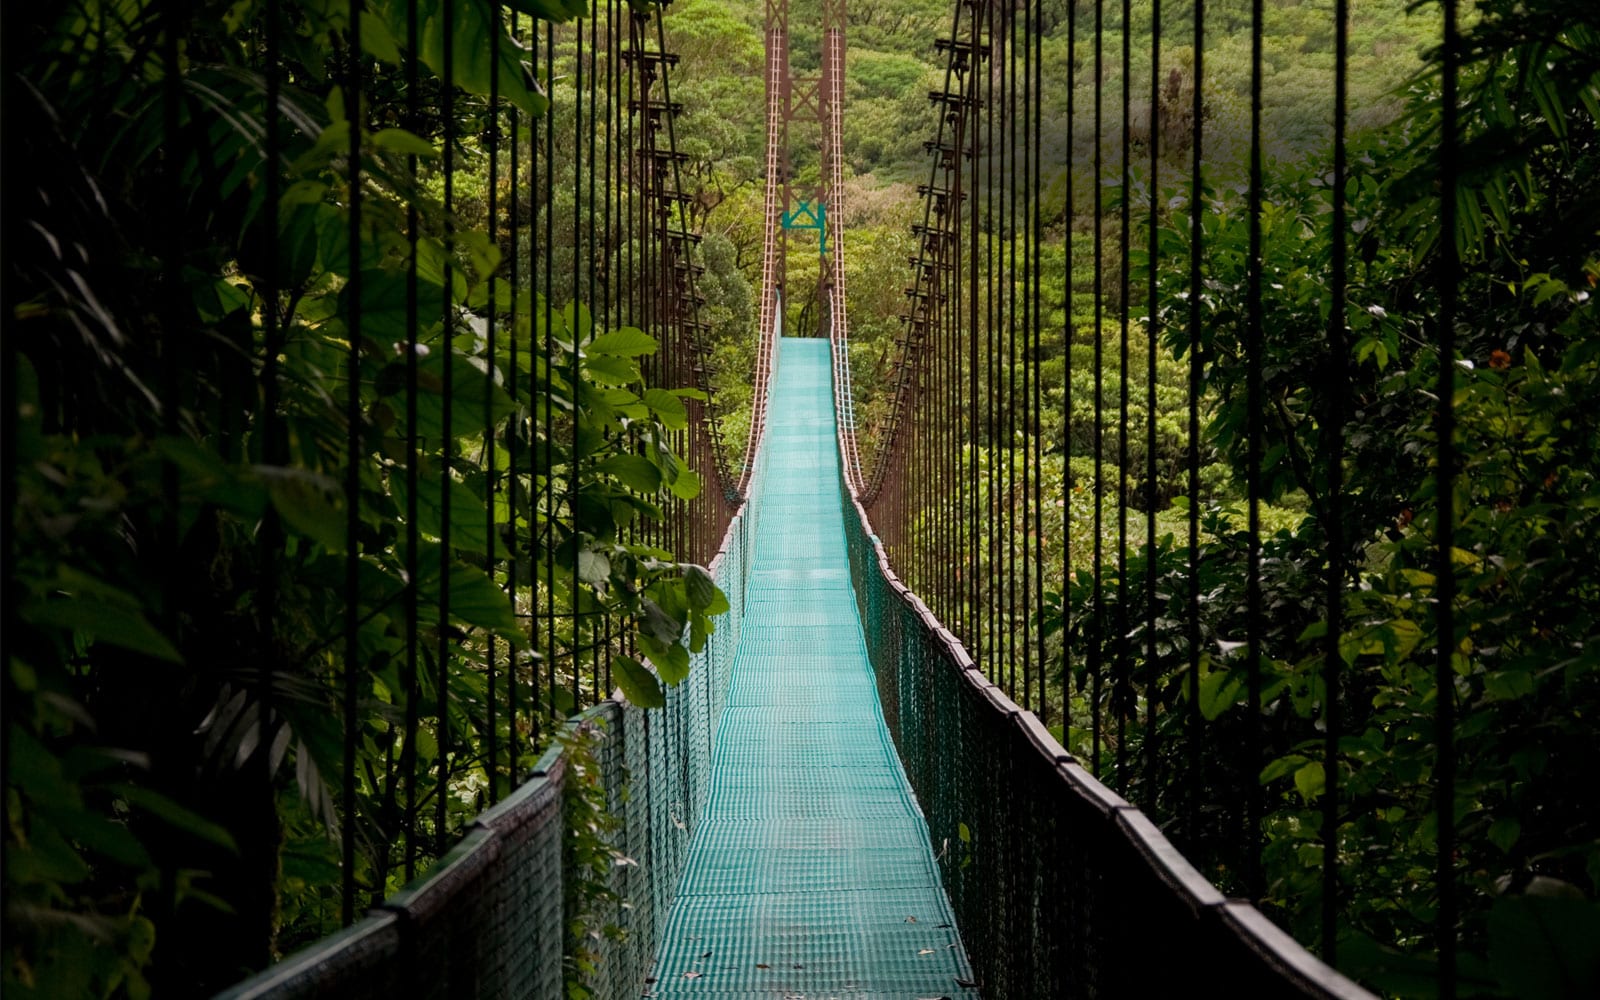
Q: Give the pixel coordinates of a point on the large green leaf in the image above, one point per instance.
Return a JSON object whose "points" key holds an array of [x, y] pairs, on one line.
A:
{"points": [[669, 409], [204, 477], [671, 660], [594, 568], [475, 597], [469, 529], [633, 471], [659, 625], [477, 40], [1544, 948], [1310, 780], [637, 683], [308, 504], [611, 370], [704, 596], [179, 816], [626, 342], [687, 485], [550, 10], [1218, 691], [385, 309], [470, 389], [473, 45], [106, 622]]}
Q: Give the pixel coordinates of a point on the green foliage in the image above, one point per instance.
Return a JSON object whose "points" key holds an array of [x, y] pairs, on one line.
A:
{"points": [[1527, 682], [174, 693], [591, 857]]}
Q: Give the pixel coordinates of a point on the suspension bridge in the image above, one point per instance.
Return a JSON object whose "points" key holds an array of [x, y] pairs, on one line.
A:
{"points": [[857, 783], [823, 811]]}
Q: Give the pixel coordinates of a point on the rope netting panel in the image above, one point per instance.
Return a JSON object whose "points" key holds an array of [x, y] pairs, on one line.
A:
{"points": [[490, 918], [1059, 886], [811, 873]]}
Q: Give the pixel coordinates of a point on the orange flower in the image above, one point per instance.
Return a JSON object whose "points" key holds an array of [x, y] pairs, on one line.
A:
{"points": [[1499, 360]]}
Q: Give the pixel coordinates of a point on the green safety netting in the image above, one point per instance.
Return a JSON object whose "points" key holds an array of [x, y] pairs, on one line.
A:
{"points": [[810, 874], [776, 849], [490, 918]]}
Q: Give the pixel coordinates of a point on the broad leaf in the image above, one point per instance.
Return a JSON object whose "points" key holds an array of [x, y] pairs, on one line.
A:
{"points": [[638, 684], [386, 315], [702, 590], [626, 342], [669, 409], [1543, 948], [475, 598], [633, 471], [118, 626], [469, 528]]}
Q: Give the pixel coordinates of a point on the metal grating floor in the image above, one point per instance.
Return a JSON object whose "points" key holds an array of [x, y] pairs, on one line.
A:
{"points": [[810, 876]]}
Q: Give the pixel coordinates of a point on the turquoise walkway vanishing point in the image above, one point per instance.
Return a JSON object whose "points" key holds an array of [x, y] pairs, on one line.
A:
{"points": [[811, 875]]}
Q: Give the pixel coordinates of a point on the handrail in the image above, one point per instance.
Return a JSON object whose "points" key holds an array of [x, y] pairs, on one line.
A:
{"points": [[487, 919]]}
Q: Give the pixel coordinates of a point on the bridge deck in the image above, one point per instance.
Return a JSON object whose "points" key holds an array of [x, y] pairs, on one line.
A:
{"points": [[811, 875]]}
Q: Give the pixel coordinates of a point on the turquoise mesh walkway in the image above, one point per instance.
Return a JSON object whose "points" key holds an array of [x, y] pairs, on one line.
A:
{"points": [[810, 875]]}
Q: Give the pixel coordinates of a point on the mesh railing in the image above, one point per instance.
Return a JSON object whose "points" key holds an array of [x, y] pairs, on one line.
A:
{"points": [[1060, 887], [489, 918]]}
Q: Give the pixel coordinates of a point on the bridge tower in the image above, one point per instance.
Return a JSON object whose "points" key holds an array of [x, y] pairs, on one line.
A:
{"points": [[790, 99], [799, 99]]}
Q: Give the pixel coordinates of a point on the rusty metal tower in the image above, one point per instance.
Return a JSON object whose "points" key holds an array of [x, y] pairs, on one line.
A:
{"points": [[799, 99]]}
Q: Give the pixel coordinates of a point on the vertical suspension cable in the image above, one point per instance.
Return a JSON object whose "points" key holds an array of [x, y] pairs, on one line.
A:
{"points": [[1096, 653], [573, 373], [413, 472], [538, 356], [1194, 721], [1444, 491], [626, 291], [608, 316], [992, 373], [1024, 255], [1069, 219], [269, 538], [1121, 688], [548, 347], [1335, 381], [1009, 95], [168, 344], [972, 119], [172, 16], [596, 311], [352, 483], [949, 407], [514, 428], [1151, 335], [1253, 433], [1035, 37], [447, 435], [492, 485]]}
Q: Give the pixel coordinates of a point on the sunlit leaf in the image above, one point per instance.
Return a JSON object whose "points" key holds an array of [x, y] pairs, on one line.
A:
{"points": [[669, 409], [638, 684], [634, 471]]}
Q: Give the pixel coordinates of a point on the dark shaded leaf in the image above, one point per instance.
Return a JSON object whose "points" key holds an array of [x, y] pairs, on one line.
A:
{"points": [[182, 818], [109, 623], [1544, 948]]}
